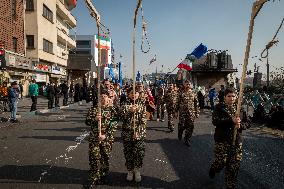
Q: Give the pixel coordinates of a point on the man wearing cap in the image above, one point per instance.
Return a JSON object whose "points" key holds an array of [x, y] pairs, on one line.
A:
{"points": [[188, 110]]}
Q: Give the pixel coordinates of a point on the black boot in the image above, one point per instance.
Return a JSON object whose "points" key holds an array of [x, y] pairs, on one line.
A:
{"points": [[179, 134], [187, 142], [212, 173]]}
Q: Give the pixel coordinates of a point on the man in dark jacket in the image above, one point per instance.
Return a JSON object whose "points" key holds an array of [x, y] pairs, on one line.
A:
{"points": [[226, 154], [50, 92], [64, 91], [57, 90]]}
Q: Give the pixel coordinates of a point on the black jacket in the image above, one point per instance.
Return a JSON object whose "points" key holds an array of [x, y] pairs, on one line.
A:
{"points": [[224, 124]]}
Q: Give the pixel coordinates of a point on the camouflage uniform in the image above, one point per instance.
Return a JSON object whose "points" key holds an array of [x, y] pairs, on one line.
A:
{"points": [[99, 152], [160, 104], [134, 149], [188, 109], [171, 101], [227, 155]]}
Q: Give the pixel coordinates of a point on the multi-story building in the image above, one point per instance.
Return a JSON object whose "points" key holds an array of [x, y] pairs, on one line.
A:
{"points": [[85, 60], [14, 64], [48, 25]]}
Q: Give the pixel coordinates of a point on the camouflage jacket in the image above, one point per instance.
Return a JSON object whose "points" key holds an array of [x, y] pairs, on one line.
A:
{"points": [[171, 99], [188, 104], [108, 123], [127, 120], [222, 120]]}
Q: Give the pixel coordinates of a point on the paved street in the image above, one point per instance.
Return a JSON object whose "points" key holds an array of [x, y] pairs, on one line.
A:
{"points": [[50, 150]]}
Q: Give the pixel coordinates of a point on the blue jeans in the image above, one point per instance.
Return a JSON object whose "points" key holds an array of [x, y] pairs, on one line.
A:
{"points": [[14, 108]]}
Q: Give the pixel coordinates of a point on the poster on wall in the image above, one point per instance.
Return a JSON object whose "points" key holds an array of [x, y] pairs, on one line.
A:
{"points": [[40, 77]]}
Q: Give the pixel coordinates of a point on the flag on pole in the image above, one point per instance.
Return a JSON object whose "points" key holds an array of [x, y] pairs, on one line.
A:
{"points": [[120, 74], [111, 73], [199, 51], [153, 59], [185, 64]]}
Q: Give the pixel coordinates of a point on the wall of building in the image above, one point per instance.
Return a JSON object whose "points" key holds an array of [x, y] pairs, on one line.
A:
{"points": [[210, 79], [11, 27]]}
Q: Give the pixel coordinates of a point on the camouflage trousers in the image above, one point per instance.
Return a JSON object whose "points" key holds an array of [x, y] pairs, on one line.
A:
{"points": [[187, 124], [134, 152], [171, 115], [99, 159], [160, 110], [227, 156]]}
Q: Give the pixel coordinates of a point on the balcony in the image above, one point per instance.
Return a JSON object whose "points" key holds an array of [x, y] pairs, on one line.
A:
{"points": [[63, 37], [65, 14]]}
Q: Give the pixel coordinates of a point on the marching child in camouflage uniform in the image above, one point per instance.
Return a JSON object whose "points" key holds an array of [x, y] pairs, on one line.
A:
{"points": [[188, 109], [171, 100], [100, 146], [160, 104], [133, 137], [226, 154]]}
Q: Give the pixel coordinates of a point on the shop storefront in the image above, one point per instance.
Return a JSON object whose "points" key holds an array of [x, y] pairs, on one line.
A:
{"points": [[58, 73], [41, 75]]}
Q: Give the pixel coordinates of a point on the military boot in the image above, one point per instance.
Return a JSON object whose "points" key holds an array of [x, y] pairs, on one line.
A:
{"points": [[130, 175], [137, 175]]}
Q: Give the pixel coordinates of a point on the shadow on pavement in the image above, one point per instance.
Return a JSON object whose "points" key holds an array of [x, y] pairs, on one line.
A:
{"points": [[67, 138], [32, 173]]}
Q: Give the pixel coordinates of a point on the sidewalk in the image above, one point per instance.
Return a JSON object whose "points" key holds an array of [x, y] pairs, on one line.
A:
{"points": [[24, 106]]}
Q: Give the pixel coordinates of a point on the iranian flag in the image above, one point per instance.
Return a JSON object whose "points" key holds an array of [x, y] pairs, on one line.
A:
{"points": [[185, 64]]}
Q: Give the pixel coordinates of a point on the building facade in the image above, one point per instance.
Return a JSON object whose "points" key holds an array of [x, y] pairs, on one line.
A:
{"points": [[15, 66], [84, 61], [48, 28]]}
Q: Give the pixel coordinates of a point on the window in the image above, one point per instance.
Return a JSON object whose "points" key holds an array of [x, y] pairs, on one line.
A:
{"points": [[84, 43], [15, 44], [47, 46], [29, 5], [47, 13], [30, 41], [14, 11], [83, 52]]}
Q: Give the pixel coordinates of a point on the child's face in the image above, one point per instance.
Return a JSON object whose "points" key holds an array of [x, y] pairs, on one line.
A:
{"points": [[133, 96], [230, 98], [104, 99]]}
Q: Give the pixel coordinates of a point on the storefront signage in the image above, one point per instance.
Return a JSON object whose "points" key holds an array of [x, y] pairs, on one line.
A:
{"points": [[58, 70], [41, 67]]}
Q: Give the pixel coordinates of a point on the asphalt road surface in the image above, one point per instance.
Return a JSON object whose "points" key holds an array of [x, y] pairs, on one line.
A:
{"points": [[50, 150]]}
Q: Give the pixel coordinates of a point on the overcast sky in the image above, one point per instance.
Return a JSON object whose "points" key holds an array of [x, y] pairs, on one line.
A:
{"points": [[176, 27]]}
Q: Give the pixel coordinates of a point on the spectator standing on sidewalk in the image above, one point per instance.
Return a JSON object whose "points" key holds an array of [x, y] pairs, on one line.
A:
{"points": [[212, 96], [57, 94], [33, 92], [64, 91], [21, 89], [50, 92], [13, 99], [71, 92]]}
